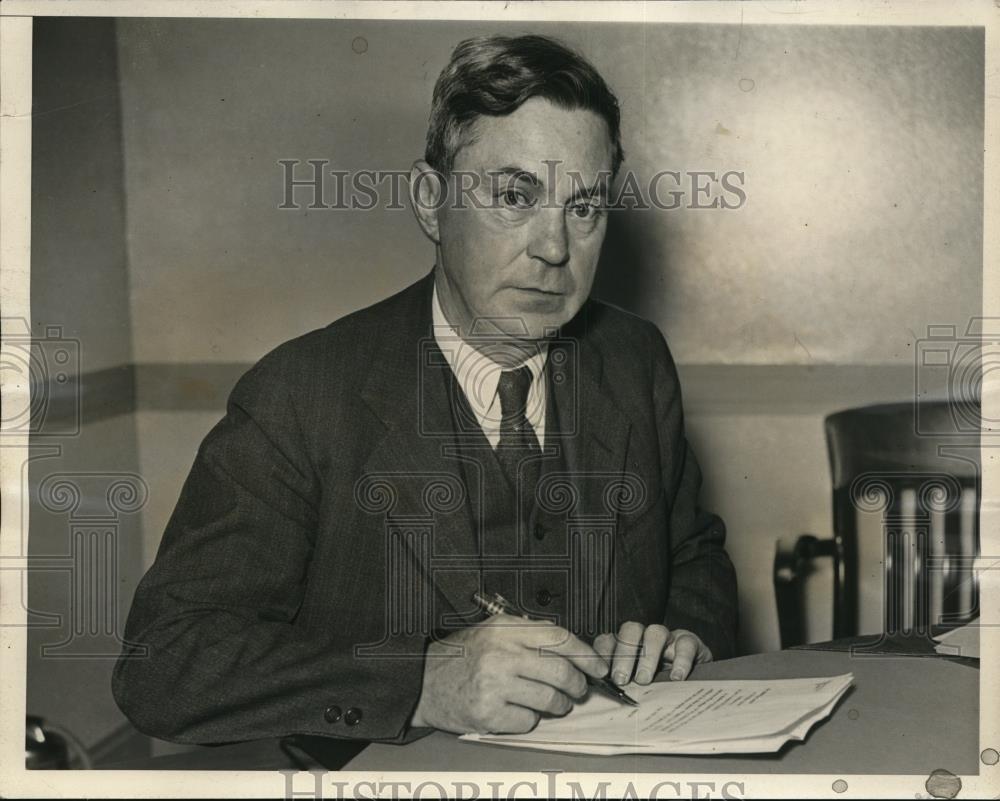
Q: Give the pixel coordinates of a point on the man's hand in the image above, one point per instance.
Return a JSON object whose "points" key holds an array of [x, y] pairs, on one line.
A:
{"points": [[645, 648], [501, 675]]}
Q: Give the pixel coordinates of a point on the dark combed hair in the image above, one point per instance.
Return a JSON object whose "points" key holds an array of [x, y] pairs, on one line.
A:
{"points": [[494, 75]]}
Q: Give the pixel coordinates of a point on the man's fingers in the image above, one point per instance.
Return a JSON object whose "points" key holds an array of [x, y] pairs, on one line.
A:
{"points": [[555, 671], [539, 697], [653, 641], [626, 648], [685, 652], [604, 644], [513, 719], [704, 653], [634, 649]]}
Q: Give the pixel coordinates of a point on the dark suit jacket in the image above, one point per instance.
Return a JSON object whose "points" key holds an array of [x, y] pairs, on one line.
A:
{"points": [[274, 601]]}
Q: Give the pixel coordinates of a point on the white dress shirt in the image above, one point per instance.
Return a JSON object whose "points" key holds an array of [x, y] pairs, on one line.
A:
{"points": [[478, 376]]}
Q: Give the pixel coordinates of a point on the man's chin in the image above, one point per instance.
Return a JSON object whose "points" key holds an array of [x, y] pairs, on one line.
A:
{"points": [[542, 318]]}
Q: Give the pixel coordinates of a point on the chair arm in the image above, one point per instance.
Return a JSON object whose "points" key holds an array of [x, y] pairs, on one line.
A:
{"points": [[791, 566]]}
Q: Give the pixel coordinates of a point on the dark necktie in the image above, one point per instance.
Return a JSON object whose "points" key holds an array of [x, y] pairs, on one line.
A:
{"points": [[517, 437]]}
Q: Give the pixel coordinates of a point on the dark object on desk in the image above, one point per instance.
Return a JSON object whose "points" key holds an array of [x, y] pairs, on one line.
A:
{"points": [[327, 752], [911, 645], [917, 464], [48, 746]]}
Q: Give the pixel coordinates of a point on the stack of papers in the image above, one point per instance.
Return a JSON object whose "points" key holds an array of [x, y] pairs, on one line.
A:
{"points": [[687, 717], [963, 641]]}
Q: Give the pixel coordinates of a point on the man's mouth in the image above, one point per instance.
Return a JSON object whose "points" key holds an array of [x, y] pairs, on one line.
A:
{"points": [[537, 291]]}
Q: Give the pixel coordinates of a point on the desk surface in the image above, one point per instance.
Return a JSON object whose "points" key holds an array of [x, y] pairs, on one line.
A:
{"points": [[903, 715]]}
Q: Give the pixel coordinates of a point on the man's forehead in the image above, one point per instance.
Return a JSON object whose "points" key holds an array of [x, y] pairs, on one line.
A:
{"points": [[539, 139]]}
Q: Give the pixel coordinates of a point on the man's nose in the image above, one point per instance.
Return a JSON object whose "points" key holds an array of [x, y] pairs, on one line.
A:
{"points": [[550, 237]]}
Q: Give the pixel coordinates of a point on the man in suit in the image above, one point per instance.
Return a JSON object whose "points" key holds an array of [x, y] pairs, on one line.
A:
{"points": [[488, 429]]}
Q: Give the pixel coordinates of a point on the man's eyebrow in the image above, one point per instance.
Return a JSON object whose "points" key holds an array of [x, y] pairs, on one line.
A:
{"points": [[516, 172], [600, 188]]}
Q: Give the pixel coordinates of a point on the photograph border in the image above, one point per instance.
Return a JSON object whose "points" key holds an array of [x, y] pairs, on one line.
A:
{"points": [[15, 253]]}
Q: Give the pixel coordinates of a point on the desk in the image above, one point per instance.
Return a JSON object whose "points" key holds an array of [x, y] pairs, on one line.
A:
{"points": [[903, 715]]}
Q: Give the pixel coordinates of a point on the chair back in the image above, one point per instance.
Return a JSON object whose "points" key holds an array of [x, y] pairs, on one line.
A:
{"points": [[921, 476], [913, 469]]}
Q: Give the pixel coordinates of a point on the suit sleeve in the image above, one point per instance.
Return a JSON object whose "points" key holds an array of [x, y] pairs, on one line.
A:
{"points": [[702, 595], [212, 654]]}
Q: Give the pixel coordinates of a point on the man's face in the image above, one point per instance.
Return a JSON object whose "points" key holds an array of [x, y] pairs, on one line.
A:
{"points": [[522, 253]]}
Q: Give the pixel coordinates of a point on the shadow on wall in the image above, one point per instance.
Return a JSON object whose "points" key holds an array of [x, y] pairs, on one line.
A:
{"points": [[628, 270]]}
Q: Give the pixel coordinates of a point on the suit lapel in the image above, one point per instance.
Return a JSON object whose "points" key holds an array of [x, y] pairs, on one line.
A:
{"points": [[593, 428], [594, 432], [415, 458]]}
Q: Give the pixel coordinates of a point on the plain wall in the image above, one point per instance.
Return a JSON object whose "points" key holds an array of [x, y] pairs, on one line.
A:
{"points": [[862, 149], [79, 285]]}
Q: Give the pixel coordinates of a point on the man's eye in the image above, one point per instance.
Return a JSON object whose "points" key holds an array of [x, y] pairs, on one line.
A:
{"points": [[585, 211], [515, 199]]}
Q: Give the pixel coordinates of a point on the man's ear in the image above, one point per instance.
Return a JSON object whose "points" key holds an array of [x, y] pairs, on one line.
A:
{"points": [[427, 195]]}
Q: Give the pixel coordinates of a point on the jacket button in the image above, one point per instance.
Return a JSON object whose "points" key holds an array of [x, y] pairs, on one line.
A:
{"points": [[353, 716], [539, 531], [332, 714], [544, 597]]}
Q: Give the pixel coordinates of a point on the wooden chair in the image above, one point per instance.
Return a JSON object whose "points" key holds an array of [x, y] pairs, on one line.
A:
{"points": [[917, 467]]}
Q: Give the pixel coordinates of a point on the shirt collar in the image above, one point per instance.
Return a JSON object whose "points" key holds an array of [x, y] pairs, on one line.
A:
{"points": [[477, 374]]}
